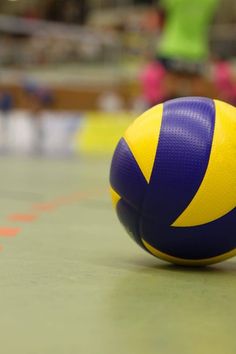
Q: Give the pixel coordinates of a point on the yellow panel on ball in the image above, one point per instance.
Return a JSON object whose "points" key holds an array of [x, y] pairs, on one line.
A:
{"points": [[142, 137], [114, 197], [217, 193]]}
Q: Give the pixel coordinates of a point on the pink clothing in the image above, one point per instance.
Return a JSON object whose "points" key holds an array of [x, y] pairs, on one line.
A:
{"points": [[151, 79], [224, 82]]}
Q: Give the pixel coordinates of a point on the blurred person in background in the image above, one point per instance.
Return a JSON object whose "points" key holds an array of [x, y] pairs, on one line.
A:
{"points": [[38, 100], [153, 73], [6, 103], [152, 80], [181, 28], [225, 80], [183, 48], [184, 43], [6, 106]]}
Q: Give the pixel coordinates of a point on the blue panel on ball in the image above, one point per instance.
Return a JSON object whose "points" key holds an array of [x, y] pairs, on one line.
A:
{"points": [[126, 177], [182, 157], [129, 218], [198, 242]]}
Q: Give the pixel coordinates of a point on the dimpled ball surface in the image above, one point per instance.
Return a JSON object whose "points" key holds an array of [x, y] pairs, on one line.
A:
{"points": [[173, 181]]}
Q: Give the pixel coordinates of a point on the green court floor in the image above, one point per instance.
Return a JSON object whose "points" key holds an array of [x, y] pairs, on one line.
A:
{"points": [[72, 282]]}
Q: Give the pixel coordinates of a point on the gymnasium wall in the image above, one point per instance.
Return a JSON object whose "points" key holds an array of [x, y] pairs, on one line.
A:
{"points": [[61, 133]]}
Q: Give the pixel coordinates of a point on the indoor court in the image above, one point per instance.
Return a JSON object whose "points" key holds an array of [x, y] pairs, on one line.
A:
{"points": [[74, 282], [74, 75]]}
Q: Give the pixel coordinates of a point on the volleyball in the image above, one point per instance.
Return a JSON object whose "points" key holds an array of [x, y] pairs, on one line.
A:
{"points": [[173, 181]]}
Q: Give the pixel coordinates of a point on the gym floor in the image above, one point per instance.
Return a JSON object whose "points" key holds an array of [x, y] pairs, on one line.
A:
{"points": [[73, 282]]}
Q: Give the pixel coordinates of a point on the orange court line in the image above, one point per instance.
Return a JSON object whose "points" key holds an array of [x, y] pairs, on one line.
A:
{"points": [[44, 206], [9, 231], [71, 199], [64, 200], [23, 217]]}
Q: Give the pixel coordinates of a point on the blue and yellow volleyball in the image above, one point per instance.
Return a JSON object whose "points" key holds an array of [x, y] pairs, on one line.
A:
{"points": [[173, 181]]}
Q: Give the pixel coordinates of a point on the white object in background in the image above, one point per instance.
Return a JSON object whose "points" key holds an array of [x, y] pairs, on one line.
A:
{"points": [[59, 129], [110, 102], [21, 132]]}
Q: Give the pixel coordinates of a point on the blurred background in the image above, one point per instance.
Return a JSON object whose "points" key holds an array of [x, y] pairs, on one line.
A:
{"points": [[74, 73]]}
